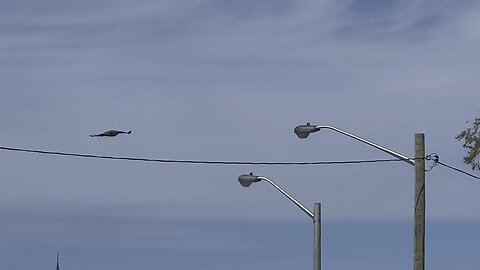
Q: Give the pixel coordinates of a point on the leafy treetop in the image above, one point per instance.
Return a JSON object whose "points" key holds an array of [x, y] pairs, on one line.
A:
{"points": [[471, 142]]}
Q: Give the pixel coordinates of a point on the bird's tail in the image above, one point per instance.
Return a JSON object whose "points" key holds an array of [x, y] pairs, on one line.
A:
{"points": [[129, 132]]}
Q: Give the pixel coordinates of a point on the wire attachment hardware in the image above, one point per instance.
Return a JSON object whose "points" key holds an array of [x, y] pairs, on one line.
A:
{"points": [[433, 157]]}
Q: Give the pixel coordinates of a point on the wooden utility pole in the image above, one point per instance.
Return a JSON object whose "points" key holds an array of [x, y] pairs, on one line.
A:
{"points": [[419, 215]]}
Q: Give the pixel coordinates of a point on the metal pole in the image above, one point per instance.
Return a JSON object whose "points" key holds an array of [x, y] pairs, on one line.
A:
{"points": [[419, 215], [317, 239]]}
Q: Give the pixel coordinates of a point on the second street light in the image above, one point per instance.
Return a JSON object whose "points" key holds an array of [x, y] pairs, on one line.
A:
{"points": [[247, 179], [303, 131]]}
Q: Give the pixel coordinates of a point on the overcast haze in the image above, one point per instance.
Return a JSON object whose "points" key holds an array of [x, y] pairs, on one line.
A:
{"points": [[229, 80]]}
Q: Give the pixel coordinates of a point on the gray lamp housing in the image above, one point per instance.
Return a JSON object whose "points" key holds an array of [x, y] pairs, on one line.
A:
{"points": [[302, 131], [247, 179]]}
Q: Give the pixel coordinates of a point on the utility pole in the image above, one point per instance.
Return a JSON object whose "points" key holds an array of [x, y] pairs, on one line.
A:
{"points": [[419, 215], [317, 237]]}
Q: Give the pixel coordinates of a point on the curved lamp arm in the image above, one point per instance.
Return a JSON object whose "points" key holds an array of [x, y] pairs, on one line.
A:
{"points": [[297, 203], [247, 179], [302, 131]]}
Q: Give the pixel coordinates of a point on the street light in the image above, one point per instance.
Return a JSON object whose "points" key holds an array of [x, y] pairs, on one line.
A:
{"points": [[247, 179], [303, 131]]}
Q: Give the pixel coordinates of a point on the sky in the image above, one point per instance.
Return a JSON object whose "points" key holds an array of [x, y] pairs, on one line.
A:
{"points": [[229, 80]]}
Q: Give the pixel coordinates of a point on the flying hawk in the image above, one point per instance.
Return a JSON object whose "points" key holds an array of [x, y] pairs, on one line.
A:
{"points": [[111, 133]]}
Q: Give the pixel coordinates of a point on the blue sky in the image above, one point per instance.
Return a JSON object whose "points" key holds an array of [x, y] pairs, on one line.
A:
{"points": [[229, 80]]}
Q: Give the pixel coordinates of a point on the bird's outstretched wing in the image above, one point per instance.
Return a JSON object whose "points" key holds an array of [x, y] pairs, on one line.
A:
{"points": [[111, 133]]}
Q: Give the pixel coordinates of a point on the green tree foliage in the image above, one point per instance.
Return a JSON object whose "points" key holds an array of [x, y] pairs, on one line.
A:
{"points": [[471, 142]]}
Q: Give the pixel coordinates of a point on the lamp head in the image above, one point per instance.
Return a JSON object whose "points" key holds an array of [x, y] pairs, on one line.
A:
{"points": [[302, 131], [247, 179]]}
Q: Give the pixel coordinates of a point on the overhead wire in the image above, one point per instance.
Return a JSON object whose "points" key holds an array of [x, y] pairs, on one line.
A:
{"points": [[458, 170], [436, 160], [186, 161], [434, 157]]}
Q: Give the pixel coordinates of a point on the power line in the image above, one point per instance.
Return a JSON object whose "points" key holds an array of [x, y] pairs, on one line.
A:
{"points": [[433, 157], [183, 161], [436, 160], [458, 170]]}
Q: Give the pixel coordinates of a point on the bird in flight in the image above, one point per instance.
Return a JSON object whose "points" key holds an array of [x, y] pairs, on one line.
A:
{"points": [[111, 133]]}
